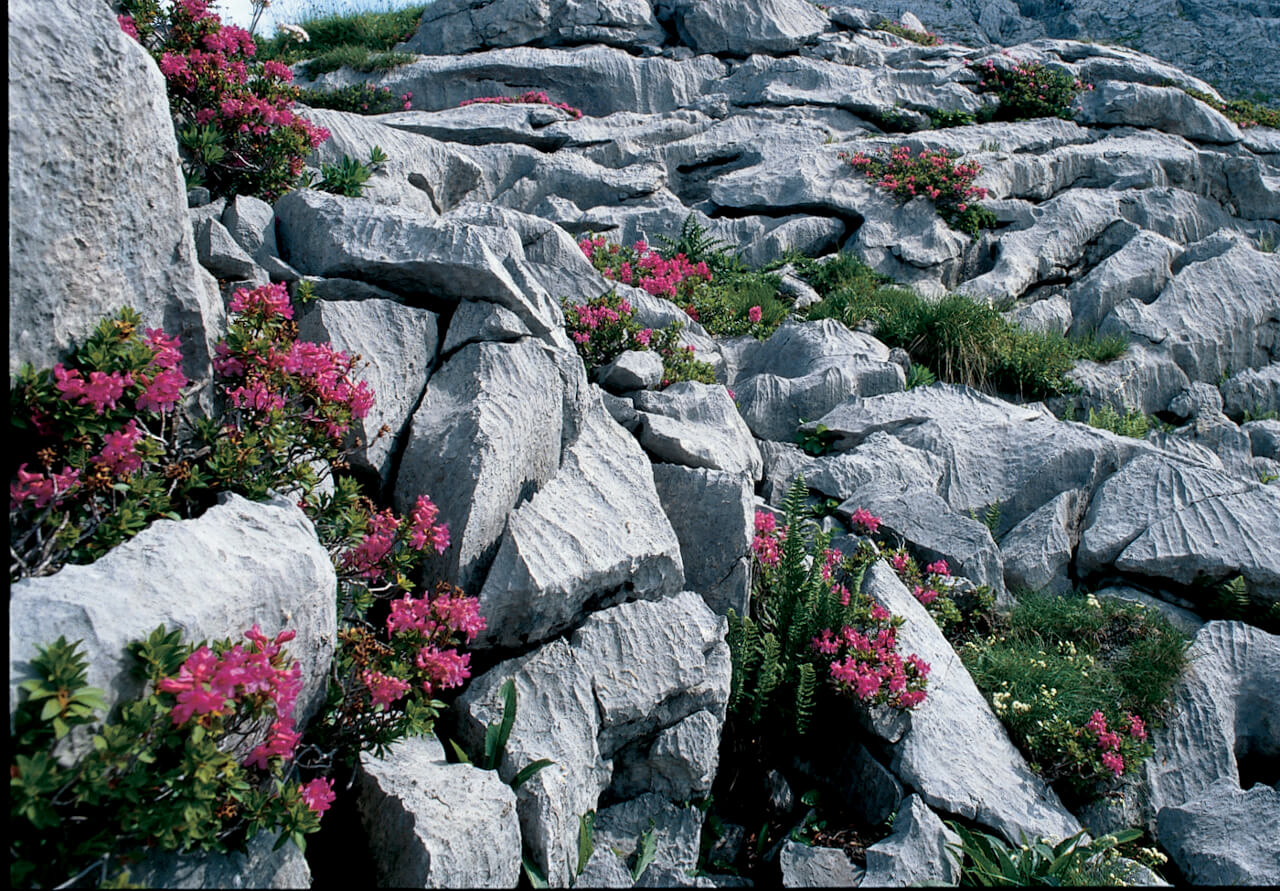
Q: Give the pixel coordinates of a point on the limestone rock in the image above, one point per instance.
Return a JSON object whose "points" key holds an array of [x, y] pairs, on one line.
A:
{"points": [[806, 867], [633, 370], [437, 825], [461, 26], [87, 104], [397, 346], [697, 425], [740, 28], [916, 853], [1227, 837]]}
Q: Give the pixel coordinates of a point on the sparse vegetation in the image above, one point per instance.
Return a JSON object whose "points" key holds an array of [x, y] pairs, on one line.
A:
{"points": [[351, 38]]}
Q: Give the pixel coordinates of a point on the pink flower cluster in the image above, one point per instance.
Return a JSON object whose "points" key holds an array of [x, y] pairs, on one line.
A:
{"points": [[100, 390], [925, 586], [384, 689], [871, 668], [318, 794], [163, 388], [864, 521], [1110, 742], [367, 559], [531, 98], [435, 623], [768, 538], [645, 268], [209, 685], [42, 490], [933, 173], [1028, 89], [119, 451]]}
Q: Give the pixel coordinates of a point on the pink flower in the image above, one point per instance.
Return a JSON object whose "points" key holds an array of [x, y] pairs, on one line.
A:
{"points": [[269, 300], [899, 562], [318, 794], [444, 668], [1097, 723], [925, 595], [118, 454], [41, 490], [384, 689], [1113, 762], [1137, 729], [939, 568], [879, 613], [643, 336], [163, 391], [128, 26], [864, 520], [755, 314]]}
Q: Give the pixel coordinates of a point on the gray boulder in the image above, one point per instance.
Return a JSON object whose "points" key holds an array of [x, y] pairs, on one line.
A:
{"points": [[711, 513], [1037, 552], [1161, 108], [397, 349], [605, 869], [581, 704], [676, 832], [955, 753], [680, 762], [486, 435], [633, 370], [594, 533], [879, 463], [1226, 708], [86, 102], [917, 852], [1159, 517], [252, 223], [219, 253], [806, 867], [406, 252], [1254, 390], [432, 824], [1228, 837], [740, 28], [1264, 438], [462, 26], [697, 425], [475, 321], [213, 577]]}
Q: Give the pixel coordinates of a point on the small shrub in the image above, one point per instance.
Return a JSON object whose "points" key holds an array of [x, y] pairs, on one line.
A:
{"points": [[924, 38], [203, 761], [942, 119], [932, 174], [959, 608], [1132, 423], [920, 376], [232, 115], [530, 98], [988, 860], [348, 176], [604, 328], [1240, 111], [357, 98], [713, 288], [1076, 680], [1028, 90], [810, 624]]}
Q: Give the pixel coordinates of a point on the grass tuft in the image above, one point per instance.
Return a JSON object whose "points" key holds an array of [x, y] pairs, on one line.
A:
{"points": [[361, 40]]}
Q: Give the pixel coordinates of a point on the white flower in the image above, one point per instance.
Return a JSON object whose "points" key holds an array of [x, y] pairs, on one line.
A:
{"points": [[296, 32]]}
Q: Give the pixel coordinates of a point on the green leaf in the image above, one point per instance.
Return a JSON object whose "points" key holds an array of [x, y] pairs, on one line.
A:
{"points": [[645, 853], [586, 840], [535, 876], [51, 708], [529, 770], [508, 713], [457, 750]]}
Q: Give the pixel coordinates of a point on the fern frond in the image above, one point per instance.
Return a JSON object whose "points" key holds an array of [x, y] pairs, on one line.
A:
{"points": [[806, 694], [770, 675]]}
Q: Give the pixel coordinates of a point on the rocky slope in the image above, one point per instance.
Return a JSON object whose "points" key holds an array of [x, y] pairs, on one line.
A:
{"points": [[607, 533]]}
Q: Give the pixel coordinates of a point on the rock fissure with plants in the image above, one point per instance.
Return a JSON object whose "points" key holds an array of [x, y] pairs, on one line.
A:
{"points": [[496, 444]]}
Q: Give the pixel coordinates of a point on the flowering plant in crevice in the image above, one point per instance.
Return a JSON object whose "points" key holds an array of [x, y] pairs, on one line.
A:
{"points": [[932, 174], [233, 116], [202, 760], [1027, 89], [736, 304], [810, 625], [362, 98], [924, 38], [533, 97], [604, 327]]}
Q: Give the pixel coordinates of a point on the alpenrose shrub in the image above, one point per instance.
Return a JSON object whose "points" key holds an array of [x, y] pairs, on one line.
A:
{"points": [[809, 625], [604, 327], [533, 97], [202, 761], [358, 98], [720, 307], [233, 116], [932, 174], [1027, 89]]}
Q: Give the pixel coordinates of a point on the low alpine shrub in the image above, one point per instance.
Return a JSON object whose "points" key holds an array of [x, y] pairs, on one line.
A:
{"points": [[604, 327], [533, 97], [358, 98], [1240, 111], [932, 174], [1027, 90], [202, 761], [233, 116], [810, 626], [1077, 681]]}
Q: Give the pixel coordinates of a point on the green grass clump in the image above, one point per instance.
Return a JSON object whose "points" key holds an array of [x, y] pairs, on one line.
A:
{"points": [[1058, 660], [377, 31], [961, 341], [1132, 423], [1239, 111], [357, 58]]}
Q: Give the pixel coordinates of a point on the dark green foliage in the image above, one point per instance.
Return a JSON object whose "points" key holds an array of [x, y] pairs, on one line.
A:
{"points": [[943, 119], [348, 176], [357, 98], [962, 341], [1240, 111], [815, 442], [1232, 599], [698, 245], [1132, 423], [586, 840], [989, 861], [920, 376]]}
